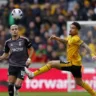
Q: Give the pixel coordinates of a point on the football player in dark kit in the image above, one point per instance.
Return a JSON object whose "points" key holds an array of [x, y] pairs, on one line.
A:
{"points": [[16, 48]]}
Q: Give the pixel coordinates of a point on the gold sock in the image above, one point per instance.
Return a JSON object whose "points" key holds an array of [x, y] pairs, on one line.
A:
{"points": [[43, 69], [88, 88]]}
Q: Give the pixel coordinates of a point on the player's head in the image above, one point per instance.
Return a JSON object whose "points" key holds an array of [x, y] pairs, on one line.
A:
{"points": [[14, 30], [74, 28]]}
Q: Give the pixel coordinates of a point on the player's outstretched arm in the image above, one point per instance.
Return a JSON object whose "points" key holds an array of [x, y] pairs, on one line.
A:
{"points": [[4, 56], [31, 50], [58, 39], [89, 50]]}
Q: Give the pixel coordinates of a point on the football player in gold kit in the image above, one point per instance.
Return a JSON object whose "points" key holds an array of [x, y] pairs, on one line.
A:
{"points": [[74, 63]]}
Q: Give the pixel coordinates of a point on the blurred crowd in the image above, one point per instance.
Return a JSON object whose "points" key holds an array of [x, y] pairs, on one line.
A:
{"points": [[43, 18]]}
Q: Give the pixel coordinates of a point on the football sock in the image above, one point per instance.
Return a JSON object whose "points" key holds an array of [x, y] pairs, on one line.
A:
{"points": [[43, 69], [11, 89], [88, 88]]}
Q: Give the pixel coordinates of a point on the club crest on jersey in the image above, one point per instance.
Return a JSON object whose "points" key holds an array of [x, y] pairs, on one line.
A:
{"points": [[11, 44], [20, 43]]}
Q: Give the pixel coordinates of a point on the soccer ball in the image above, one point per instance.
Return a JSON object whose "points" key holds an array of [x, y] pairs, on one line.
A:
{"points": [[17, 13]]}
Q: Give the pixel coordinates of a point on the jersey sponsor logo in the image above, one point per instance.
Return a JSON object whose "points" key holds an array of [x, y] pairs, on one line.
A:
{"points": [[17, 49], [11, 44], [20, 44]]}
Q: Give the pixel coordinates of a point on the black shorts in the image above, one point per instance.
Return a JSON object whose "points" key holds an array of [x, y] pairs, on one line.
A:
{"points": [[75, 70], [18, 72]]}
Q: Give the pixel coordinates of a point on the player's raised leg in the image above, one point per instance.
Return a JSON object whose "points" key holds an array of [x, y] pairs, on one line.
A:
{"points": [[47, 67]]}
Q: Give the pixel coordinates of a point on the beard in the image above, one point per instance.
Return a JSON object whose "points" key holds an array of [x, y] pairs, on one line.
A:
{"points": [[14, 35], [70, 33], [73, 33]]}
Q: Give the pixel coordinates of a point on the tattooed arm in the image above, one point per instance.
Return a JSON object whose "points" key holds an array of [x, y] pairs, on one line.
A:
{"points": [[89, 50]]}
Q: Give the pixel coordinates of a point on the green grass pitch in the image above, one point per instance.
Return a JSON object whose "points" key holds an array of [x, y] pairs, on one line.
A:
{"points": [[50, 94]]}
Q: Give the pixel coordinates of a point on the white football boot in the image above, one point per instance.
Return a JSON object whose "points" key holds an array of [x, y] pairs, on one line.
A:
{"points": [[29, 73]]}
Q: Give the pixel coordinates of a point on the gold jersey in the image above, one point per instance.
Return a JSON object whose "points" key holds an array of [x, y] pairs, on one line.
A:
{"points": [[73, 46]]}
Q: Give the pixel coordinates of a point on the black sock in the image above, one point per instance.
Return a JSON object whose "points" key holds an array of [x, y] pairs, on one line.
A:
{"points": [[11, 89]]}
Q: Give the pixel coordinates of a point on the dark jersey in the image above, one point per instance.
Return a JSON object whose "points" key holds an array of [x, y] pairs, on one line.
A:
{"points": [[18, 50]]}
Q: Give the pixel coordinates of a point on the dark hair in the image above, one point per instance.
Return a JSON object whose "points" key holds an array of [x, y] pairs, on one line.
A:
{"points": [[77, 25]]}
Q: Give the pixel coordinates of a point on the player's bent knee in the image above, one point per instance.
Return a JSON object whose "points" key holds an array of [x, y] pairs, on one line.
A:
{"points": [[51, 63], [79, 83], [10, 84], [17, 87]]}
